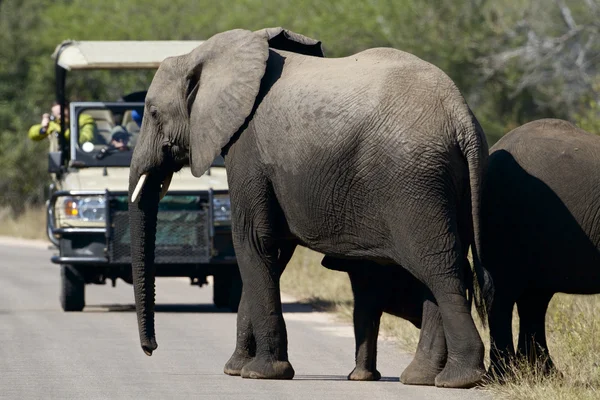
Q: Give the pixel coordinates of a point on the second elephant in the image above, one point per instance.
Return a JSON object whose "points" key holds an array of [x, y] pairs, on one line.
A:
{"points": [[540, 230]]}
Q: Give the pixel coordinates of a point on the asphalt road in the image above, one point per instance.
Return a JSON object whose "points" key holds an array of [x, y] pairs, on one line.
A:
{"points": [[95, 354]]}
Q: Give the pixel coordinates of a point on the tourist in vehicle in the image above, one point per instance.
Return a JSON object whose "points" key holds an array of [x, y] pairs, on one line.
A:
{"points": [[51, 124], [120, 139]]}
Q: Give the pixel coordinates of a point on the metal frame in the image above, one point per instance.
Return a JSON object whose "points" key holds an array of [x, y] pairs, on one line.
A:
{"points": [[61, 77], [52, 230]]}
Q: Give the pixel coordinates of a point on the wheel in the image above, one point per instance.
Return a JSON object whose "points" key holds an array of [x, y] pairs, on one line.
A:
{"points": [[72, 289], [227, 290]]}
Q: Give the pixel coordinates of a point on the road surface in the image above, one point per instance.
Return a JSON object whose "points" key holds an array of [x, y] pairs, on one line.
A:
{"points": [[95, 354]]}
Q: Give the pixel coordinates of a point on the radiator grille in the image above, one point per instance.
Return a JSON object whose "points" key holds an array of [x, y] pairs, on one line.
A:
{"points": [[182, 234]]}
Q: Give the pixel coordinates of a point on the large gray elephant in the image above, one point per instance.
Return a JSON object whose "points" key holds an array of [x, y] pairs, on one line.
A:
{"points": [[540, 230], [374, 156]]}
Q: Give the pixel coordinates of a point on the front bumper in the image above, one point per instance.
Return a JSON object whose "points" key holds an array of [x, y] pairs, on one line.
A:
{"points": [[186, 231]]}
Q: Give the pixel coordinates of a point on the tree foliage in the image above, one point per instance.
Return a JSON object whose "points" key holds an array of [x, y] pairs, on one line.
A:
{"points": [[514, 60]]}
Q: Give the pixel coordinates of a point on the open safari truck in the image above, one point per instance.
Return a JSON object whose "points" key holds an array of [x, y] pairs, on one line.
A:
{"points": [[87, 211]]}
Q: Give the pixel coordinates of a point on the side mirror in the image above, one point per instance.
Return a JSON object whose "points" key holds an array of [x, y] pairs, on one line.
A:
{"points": [[54, 162]]}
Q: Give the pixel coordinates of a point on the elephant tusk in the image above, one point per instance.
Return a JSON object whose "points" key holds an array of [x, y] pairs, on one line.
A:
{"points": [[165, 185], [138, 188]]}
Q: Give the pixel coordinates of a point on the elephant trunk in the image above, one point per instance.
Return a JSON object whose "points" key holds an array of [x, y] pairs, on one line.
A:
{"points": [[142, 218]]}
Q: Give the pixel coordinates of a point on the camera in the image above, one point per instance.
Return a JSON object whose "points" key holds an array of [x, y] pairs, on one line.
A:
{"points": [[52, 117]]}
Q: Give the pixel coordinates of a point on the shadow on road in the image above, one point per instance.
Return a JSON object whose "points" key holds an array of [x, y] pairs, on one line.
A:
{"points": [[295, 307], [338, 378]]}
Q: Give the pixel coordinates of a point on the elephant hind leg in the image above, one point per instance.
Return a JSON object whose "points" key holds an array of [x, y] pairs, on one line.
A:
{"points": [[532, 331], [430, 357], [443, 273], [435, 255], [464, 365]]}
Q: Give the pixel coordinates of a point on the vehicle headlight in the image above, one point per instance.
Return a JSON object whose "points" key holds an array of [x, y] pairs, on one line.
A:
{"points": [[85, 208], [221, 209]]}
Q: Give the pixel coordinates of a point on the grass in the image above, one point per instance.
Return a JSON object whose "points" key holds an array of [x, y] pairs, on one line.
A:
{"points": [[572, 324], [573, 330], [29, 225]]}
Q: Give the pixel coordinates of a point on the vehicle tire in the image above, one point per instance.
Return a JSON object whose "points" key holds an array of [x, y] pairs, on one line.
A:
{"points": [[72, 288], [227, 289]]}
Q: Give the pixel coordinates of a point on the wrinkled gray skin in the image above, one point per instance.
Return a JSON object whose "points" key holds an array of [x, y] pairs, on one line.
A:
{"points": [[388, 288], [374, 156], [540, 230]]}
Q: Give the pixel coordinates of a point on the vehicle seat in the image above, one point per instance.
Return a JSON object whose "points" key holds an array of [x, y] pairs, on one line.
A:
{"points": [[104, 124], [132, 127], [127, 118]]}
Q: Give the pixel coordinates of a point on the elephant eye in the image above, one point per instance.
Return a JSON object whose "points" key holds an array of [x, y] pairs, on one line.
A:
{"points": [[153, 111]]}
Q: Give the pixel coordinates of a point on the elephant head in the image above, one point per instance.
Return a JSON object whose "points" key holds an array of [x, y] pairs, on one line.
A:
{"points": [[195, 104]]}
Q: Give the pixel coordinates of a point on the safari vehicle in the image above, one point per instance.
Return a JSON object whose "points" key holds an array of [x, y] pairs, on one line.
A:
{"points": [[88, 220]]}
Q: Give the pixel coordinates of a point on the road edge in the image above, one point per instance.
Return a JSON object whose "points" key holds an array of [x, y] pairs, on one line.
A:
{"points": [[22, 242]]}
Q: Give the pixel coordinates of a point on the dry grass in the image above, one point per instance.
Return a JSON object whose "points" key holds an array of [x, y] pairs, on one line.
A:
{"points": [[29, 225], [573, 330], [572, 323]]}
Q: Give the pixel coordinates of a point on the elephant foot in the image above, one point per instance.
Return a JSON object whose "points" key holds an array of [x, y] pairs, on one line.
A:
{"points": [[420, 373], [361, 374], [235, 364], [456, 375], [267, 369]]}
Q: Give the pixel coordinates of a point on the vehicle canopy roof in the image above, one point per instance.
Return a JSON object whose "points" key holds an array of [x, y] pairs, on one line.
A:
{"points": [[119, 54], [109, 54]]}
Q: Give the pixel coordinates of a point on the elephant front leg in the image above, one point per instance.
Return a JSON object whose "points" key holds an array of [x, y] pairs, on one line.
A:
{"points": [[430, 357], [532, 331], [261, 286], [245, 346], [367, 317], [502, 349]]}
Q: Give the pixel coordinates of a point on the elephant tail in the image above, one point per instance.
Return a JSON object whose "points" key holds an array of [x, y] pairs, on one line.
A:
{"points": [[475, 150]]}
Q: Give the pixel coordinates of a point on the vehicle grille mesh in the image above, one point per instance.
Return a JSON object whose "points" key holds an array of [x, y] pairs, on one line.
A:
{"points": [[182, 237]]}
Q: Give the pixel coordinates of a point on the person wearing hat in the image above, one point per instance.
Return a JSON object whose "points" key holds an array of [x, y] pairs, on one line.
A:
{"points": [[120, 138]]}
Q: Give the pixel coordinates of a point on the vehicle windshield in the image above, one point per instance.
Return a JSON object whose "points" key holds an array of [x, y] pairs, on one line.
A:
{"points": [[102, 127], [106, 133]]}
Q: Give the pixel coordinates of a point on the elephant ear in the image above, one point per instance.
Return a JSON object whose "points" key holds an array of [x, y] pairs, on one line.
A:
{"points": [[224, 75], [283, 39]]}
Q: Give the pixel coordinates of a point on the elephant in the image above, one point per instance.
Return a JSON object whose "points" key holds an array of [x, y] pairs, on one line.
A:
{"points": [[384, 288], [373, 156], [540, 232]]}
